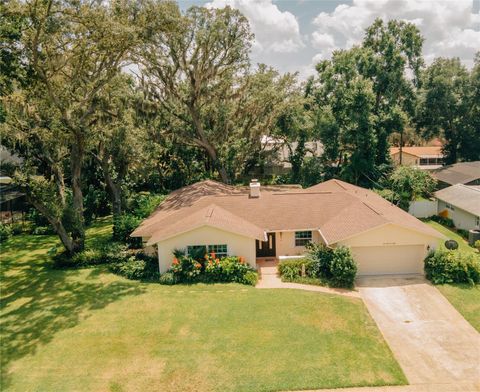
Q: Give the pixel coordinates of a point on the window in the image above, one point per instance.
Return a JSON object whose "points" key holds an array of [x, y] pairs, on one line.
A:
{"points": [[450, 207], [302, 238], [423, 161], [219, 250], [196, 251], [199, 251], [477, 221]]}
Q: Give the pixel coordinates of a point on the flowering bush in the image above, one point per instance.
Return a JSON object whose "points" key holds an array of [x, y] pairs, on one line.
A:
{"points": [[212, 269]]}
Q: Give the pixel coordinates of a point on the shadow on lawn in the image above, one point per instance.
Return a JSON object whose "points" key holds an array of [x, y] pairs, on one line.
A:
{"points": [[37, 301]]}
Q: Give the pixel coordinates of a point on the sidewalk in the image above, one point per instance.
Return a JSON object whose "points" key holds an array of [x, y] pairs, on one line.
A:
{"points": [[269, 279]]}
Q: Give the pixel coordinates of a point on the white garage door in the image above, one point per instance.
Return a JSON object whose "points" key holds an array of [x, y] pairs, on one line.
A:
{"points": [[399, 259]]}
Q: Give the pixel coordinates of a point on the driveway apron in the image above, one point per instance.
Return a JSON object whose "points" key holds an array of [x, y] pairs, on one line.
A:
{"points": [[432, 342]]}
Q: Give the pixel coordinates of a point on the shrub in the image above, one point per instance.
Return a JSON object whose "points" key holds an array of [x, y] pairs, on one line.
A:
{"points": [[168, 278], [43, 230], [292, 269], [343, 268], [250, 278], [210, 269], [5, 232], [143, 204], [463, 233], [334, 266], [443, 221], [322, 258], [136, 268], [114, 252], [452, 266], [123, 227], [477, 245], [78, 260]]}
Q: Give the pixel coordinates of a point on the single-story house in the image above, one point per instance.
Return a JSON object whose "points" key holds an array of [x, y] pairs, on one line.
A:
{"points": [[274, 221], [427, 158], [461, 203], [278, 161], [467, 173]]}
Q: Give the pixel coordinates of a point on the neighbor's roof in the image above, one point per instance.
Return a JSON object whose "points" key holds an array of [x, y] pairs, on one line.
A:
{"points": [[458, 173], [462, 196], [335, 208], [428, 151]]}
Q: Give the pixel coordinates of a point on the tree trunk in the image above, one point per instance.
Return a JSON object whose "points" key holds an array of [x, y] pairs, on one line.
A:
{"points": [[114, 187], [57, 226], [78, 231], [202, 141], [218, 165]]}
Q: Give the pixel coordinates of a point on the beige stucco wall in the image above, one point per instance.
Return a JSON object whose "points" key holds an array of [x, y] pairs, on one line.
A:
{"points": [[206, 235], [390, 249], [461, 218], [407, 159], [285, 243], [388, 235]]}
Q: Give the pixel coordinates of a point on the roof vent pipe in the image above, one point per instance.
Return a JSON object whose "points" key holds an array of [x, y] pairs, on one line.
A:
{"points": [[254, 188]]}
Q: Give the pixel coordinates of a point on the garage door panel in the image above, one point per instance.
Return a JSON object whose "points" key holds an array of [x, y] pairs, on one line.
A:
{"points": [[398, 259]]}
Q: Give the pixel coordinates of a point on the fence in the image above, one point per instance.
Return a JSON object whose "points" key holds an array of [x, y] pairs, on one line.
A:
{"points": [[423, 208]]}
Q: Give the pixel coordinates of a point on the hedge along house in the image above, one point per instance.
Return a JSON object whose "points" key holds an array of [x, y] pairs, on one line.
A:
{"points": [[269, 222]]}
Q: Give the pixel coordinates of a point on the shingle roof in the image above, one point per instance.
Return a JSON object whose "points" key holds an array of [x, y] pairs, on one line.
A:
{"points": [[211, 215], [458, 173], [428, 151], [337, 209], [462, 196]]}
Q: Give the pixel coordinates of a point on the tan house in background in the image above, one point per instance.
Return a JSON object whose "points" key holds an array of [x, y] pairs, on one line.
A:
{"points": [[427, 158], [277, 222]]}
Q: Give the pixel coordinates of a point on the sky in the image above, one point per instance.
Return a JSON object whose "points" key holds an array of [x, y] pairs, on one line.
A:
{"points": [[293, 35]]}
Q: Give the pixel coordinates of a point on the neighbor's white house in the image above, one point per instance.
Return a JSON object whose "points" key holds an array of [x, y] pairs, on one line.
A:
{"points": [[461, 203], [281, 151], [273, 222]]}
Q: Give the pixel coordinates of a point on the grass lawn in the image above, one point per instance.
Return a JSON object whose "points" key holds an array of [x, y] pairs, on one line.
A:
{"points": [[466, 299], [462, 244], [89, 330]]}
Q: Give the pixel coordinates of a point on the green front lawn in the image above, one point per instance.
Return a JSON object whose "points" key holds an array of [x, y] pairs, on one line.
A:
{"points": [[89, 330], [465, 298], [462, 244]]}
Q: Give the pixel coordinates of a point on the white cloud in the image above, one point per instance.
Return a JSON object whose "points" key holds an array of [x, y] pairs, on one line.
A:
{"points": [[450, 27], [275, 31]]}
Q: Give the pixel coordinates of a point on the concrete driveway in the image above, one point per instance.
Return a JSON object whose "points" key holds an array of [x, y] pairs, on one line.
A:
{"points": [[431, 341]]}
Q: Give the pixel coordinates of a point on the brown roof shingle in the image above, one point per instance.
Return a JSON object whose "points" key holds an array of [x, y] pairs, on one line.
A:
{"points": [[427, 151], [337, 209]]}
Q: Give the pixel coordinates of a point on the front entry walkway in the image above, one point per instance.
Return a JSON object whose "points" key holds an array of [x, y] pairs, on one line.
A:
{"points": [[431, 341], [269, 279]]}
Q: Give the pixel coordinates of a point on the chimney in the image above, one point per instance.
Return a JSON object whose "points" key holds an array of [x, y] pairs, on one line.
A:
{"points": [[254, 188]]}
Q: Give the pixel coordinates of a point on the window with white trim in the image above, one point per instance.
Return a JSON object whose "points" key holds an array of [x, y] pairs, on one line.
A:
{"points": [[302, 238], [450, 207], [477, 221], [219, 250]]}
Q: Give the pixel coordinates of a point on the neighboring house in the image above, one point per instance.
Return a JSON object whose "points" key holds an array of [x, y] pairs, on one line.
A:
{"points": [[467, 173], [279, 160], [427, 158], [461, 203], [276, 221]]}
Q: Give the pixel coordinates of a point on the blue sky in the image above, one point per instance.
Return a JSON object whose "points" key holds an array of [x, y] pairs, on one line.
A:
{"points": [[292, 35]]}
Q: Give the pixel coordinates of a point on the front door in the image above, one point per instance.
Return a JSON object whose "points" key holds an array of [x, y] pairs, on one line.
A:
{"points": [[267, 248]]}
